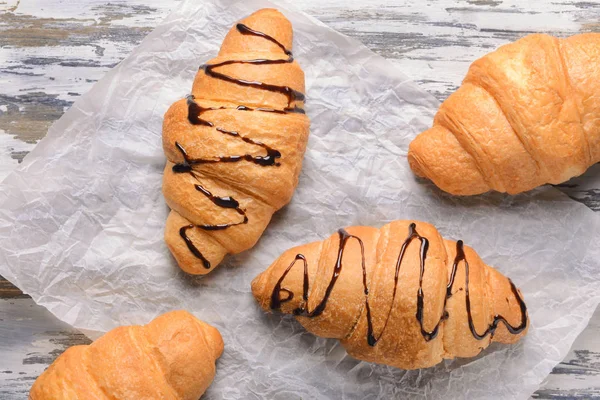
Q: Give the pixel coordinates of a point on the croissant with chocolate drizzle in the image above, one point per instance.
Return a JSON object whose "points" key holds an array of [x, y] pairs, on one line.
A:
{"points": [[401, 295], [235, 145]]}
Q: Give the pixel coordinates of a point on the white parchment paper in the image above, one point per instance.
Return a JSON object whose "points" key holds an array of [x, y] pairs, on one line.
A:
{"points": [[81, 221]]}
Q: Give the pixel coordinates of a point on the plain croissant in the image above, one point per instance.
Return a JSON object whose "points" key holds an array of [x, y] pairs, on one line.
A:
{"points": [[171, 358], [235, 145], [526, 114], [400, 295]]}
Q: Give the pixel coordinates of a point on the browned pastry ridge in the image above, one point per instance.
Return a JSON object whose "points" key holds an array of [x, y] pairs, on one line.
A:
{"points": [[235, 145], [400, 295], [526, 114], [171, 358]]}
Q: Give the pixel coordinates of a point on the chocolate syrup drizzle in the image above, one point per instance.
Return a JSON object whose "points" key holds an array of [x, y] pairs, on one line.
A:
{"points": [[491, 329], [292, 94], [194, 116], [372, 339], [195, 112]]}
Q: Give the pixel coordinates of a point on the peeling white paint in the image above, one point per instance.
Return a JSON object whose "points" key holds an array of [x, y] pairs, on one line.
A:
{"points": [[431, 41], [9, 145]]}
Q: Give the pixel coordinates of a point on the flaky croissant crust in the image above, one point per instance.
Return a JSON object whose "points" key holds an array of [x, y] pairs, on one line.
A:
{"points": [[235, 145], [526, 114], [400, 295], [173, 357]]}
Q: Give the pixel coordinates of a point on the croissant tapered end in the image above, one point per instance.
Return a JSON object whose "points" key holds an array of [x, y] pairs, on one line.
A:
{"points": [[268, 21], [400, 295], [525, 115], [169, 326], [436, 155], [259, 289], [171, 357], [264, 286], [507, 301], [181, 237], [291, 263]]}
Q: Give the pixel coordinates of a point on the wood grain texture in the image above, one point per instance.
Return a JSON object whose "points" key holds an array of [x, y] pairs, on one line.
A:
{"points": [[52, 51], [30, 339]]}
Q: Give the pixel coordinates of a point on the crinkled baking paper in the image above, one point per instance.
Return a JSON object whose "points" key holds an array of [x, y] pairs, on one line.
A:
{"points": [[82, 218]]}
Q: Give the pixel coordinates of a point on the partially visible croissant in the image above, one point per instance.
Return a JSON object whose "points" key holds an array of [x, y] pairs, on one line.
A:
{"points": [[171, 358], [235, 146], [400, 295], [526, 114]]}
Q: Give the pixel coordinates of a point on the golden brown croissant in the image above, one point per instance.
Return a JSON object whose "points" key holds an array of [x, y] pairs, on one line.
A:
{"points": [[526, 114], [173, 357], [400, 295], [235, 146]]}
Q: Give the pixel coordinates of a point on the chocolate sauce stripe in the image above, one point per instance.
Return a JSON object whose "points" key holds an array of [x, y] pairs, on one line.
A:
{"points": [[229, 184], [372, 338], [292, 94], [195, 118], [225, 59], [194, 115], [236, 186], [191, 247], [221, 201], [243, 107], [246, 30]]}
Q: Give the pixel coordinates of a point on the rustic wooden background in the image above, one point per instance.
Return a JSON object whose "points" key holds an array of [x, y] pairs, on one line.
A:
{"points": [[52, 51]]}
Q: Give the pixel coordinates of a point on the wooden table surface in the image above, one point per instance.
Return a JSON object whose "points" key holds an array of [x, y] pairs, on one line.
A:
{"points": [[52, 51]]}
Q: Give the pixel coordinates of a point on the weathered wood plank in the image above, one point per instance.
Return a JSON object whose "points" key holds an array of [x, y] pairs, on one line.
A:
{"points": [[50, 61], [578, 376], [9, 291], [53, 51], [435, 42], [50, 57], [31, 339]]}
